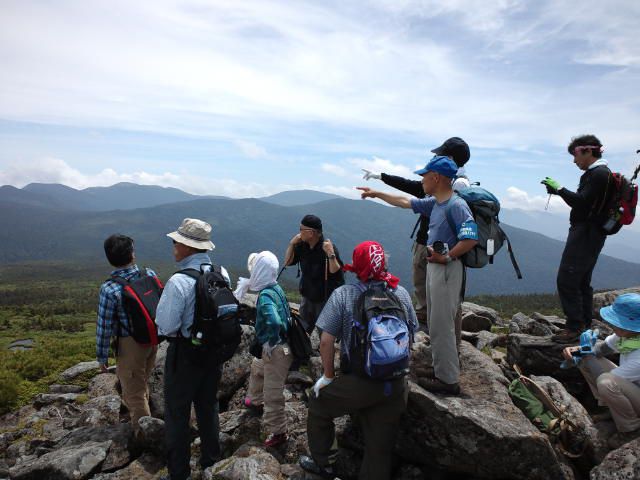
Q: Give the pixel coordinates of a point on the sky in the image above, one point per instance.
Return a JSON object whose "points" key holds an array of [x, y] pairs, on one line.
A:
{"points": [[250, 98]]}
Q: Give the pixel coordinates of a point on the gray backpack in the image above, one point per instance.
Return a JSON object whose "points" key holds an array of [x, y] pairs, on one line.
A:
{"points": [[485, 208]]}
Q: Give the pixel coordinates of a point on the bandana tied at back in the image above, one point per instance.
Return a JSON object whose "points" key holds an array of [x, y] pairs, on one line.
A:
{"points": [[369, 264]]}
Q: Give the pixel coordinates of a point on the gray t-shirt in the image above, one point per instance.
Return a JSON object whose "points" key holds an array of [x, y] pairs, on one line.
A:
{"points": [[336, 317], [439, 228]]}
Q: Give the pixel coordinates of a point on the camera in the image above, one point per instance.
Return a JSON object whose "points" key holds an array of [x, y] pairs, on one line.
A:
{"points": [[440, 247]]}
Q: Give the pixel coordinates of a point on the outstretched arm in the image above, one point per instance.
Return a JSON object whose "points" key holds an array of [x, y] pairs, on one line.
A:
{"points": [[395, 200]]}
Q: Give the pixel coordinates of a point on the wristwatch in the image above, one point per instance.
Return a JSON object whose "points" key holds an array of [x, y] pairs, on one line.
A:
{"points": [[332, 256]]}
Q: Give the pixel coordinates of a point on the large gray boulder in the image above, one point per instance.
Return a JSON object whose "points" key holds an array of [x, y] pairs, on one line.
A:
{"points": [[75, 462], [520, 323], [78, 369], [103, 384], [479, 433], [538, 356], [236, 371], [620, 464], [249, 461], [604, 299], [480, 311]]}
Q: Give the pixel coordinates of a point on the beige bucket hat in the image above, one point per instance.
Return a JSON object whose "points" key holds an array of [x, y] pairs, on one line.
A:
{"points": [[193, 233]]}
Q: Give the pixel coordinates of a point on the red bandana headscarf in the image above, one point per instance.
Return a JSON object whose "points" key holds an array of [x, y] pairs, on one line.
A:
{"points": [[369, 264]]}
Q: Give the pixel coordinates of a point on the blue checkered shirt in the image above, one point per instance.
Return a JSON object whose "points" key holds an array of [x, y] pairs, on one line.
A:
{"points": [[112, 319]]}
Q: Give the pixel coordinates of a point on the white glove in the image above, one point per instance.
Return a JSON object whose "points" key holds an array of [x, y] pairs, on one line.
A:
{"points": [[368, 175], [321, 383], [267, 350]]}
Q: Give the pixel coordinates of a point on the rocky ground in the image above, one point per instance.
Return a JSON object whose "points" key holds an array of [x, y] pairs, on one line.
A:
{"points": [[77, 433]]}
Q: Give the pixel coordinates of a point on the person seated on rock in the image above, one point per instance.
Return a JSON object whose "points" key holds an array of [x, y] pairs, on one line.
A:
{"points": [[190, 376], [378, 404], [269, 373], [617, 387], [134, 361], [445, 273]]}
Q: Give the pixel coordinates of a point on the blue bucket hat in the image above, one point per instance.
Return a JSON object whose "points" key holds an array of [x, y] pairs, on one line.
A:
{"points": [[624, 313], [439, 164]]}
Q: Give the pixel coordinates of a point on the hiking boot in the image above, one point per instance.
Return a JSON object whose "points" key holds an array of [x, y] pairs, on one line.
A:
{"points": [[275, 439], [425, 372], [309, 464], [252, 407], [619, 439], [436, 385], [566, 336]]}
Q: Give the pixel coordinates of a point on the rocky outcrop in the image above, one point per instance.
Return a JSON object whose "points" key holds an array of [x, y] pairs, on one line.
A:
{"points": [[73, 463], [479, 433], [249, 461], [77, 432], [604, 299], [83, 367], [621, 464]]}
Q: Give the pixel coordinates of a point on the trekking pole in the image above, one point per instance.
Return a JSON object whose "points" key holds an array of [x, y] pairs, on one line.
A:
{"points": [[548, 200]]}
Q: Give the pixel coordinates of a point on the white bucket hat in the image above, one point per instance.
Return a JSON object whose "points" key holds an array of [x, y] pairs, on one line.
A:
{"points": [[193, 233]]}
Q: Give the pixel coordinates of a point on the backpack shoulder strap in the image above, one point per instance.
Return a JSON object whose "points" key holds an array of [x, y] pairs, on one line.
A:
{"points": [[447, 212], [119, 280], [190, 272], [512, 256]]}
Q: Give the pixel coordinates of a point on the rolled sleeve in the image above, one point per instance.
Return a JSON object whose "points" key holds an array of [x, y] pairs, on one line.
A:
{"points": [[330, 319], [423, 206], [170, 309]]}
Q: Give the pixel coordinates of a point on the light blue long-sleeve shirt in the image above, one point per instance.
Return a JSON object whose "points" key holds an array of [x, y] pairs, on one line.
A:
{"points": [[177, 303]]}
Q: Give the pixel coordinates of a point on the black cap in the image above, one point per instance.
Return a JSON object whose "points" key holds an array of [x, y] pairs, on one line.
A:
{"points": [[312, 221], [456, 148]]}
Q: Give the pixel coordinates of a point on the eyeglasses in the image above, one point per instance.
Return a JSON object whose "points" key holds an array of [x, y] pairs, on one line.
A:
{"points": [[307, 229]]}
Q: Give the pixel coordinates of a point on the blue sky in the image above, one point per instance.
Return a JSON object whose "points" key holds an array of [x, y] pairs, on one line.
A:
{"points": [[254, 97]]}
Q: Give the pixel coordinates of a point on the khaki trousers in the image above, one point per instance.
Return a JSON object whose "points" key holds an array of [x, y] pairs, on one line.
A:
{"points": [[133, 367], [620, 395], [420, 280], [444, 287], [266, 385]]}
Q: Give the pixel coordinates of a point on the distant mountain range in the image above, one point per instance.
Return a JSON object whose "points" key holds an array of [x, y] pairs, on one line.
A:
{"points": [[56, 223]]}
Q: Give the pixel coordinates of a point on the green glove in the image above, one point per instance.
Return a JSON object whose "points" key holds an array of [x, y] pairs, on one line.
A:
{"points": [[551, 184]]}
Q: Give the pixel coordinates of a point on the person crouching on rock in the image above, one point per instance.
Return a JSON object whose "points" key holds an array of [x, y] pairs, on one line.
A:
{"points": [[378, 403], [617, 387], [269, 373]]}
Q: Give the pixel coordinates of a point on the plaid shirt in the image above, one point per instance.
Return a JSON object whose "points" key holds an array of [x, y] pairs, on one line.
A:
{"points": [[112, 319]]}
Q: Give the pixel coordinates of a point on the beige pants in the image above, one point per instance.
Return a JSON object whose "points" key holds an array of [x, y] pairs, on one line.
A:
{"points": [[444, 286], [266, 385], [133, 367], [620, 395]]}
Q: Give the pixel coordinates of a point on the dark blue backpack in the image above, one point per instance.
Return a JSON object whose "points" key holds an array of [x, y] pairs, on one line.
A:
{"points": [[380, 337]]}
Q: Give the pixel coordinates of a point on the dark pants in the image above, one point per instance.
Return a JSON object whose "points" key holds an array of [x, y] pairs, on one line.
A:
{"points": [[309, 313], [190, 378], [378, 412], [584, 243]]}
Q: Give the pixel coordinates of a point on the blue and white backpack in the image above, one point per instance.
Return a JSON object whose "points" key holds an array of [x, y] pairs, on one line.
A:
{"points": [[380, 338]]}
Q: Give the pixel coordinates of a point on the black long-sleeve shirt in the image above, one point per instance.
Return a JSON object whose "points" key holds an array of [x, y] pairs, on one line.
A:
{"points": [[586, 204], [412, 187]]}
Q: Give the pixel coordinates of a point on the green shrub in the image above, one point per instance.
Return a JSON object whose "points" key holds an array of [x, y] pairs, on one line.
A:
{"points": [[9, 383]]}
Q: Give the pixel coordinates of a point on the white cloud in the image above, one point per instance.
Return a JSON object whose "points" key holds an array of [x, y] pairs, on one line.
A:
{"points": [[517, 198], [381, 165], [334, 169], [250, 149]]}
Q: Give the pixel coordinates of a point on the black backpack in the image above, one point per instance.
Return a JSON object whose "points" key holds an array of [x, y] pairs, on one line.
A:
{"points": [[140, 297], [216, 321]]}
